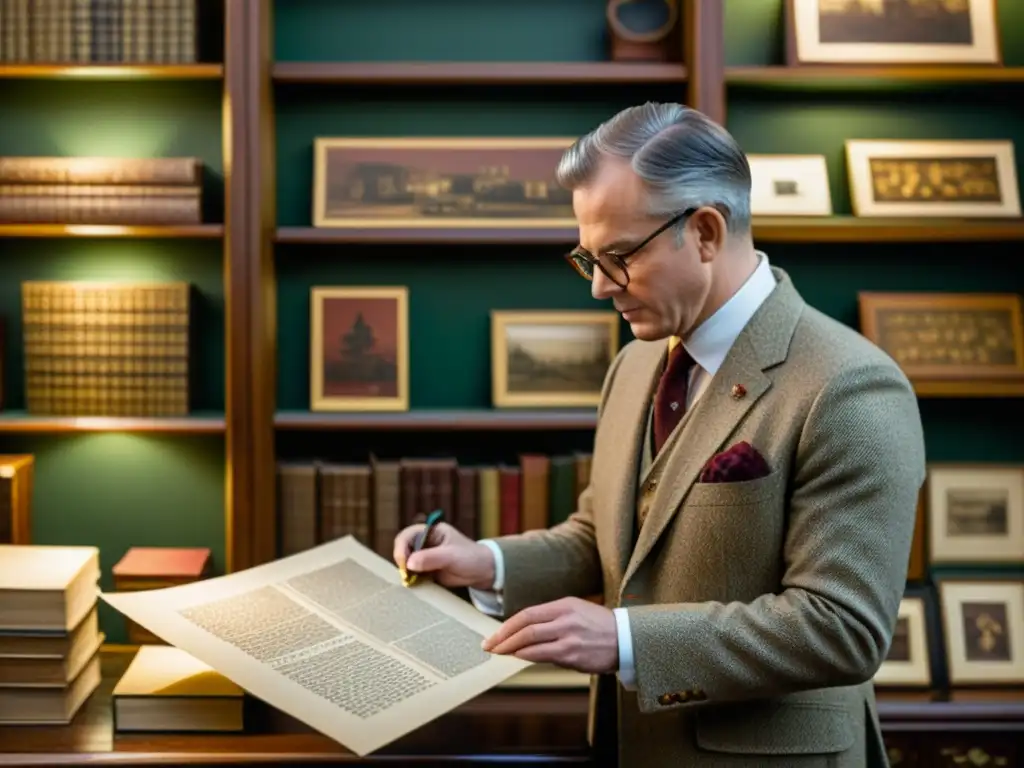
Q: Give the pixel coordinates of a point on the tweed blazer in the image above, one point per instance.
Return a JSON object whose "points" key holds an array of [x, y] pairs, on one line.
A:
{"points": [[759, 610]]}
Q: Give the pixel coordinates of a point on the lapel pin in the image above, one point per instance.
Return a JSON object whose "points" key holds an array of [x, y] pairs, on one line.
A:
{"points": [[738, 391]]}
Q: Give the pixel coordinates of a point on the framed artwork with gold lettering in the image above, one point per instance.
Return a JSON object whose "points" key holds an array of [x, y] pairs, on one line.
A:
{"points": [[933, 178], [950, 343], [983, 628], [892, 32], [975, 514]]}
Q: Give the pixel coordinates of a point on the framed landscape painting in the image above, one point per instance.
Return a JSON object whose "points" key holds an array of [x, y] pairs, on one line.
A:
{"points": [[555, 358], [359, 349], [893, 32], [455, 183]]}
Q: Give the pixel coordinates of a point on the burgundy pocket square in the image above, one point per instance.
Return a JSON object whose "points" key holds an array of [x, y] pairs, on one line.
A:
{"points": [[736, 464]]}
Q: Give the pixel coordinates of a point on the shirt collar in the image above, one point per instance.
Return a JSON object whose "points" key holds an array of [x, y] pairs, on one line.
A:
{"points": [[711, 341]]}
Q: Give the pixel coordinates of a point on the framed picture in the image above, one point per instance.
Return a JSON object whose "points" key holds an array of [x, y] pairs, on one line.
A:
{"points": [[916, 565], [555, 358], [440, 183], [359, 349], [892, 32], [789, 185], [983, 624], [909, 662], [957, 177], [975, 514], [949, 343]]}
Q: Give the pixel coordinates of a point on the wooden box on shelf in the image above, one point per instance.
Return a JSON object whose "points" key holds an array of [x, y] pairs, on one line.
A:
{"points": [[144, 568], [16, 473]]}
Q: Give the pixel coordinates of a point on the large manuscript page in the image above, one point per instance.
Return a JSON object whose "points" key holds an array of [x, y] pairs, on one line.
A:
{"points": [[332, 637]]}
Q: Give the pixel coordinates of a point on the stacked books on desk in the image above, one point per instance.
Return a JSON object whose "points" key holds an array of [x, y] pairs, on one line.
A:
{"points": [[49, 632], [168, 689]]}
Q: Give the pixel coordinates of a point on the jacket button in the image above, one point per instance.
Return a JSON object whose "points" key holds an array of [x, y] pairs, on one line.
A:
{"points": [[681, 696], [665, 699]]}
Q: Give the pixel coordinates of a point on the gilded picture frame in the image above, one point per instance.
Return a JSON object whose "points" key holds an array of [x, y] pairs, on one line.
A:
{"points": [[983, 631], [975, 514], [435, 183], [875, 32], [928, 178], [552, 358], [359, 348]]}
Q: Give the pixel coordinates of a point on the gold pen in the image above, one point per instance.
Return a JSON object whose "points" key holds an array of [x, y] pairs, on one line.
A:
{"points": [[420, 542]]}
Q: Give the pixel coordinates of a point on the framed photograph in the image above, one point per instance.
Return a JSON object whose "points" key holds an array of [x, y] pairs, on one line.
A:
{"points": [[909, 662], [555, 358], [359, 349], [440, 183], [949, 343], [892, 32], [969, 179], [983, 624], [789, 185], [975, 514]]}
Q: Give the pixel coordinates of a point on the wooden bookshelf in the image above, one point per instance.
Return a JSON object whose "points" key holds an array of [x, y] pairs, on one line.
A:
{"points": [[852, 229], [440, 420], [477, 73], [525, 235], [23, 423], [197, 232], [112, 71], [873, 75]]}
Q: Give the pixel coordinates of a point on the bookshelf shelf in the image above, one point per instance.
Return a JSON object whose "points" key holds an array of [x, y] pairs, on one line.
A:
{"points": [[112, 72], [533, 235], [21, 422], [198, 232], [872, 75], [477, 73], [851, 229], [440, 420]]}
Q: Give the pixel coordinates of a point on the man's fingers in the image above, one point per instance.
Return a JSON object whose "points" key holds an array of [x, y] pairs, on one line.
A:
{"points": [[546, 653], [536, 614], [403, 544], [530, 635], [427, 560]]}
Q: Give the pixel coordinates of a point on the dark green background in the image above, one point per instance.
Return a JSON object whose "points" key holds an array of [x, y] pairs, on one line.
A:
{"points": [[122, 490]]}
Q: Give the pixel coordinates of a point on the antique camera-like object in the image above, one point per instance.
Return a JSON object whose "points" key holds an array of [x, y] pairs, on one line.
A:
{"points": [[644, 30]]}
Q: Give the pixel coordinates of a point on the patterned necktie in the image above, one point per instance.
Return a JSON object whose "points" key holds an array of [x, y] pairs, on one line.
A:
{"points": [[670, 399]]}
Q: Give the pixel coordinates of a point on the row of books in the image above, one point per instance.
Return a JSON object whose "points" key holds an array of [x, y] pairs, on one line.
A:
{"points": [[373, 501], [98, 31], [101, 190]]}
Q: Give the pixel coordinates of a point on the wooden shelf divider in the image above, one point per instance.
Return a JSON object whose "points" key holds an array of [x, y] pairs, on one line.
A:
{"points": [[326, 235], [23, 423], [439, 420], [112, 71], [198, 231], [477, 72]]}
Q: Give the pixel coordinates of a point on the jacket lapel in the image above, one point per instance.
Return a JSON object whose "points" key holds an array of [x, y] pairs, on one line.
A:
{"points": [[763, 344]]}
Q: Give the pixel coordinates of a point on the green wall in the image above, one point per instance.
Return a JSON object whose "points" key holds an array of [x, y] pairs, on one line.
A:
{"points": [[120, 490]]}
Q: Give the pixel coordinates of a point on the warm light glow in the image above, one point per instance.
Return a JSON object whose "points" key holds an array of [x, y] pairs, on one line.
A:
{"points": [[97, 229]]}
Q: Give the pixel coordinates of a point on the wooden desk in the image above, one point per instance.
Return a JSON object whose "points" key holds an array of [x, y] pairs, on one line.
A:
{"points": [[508, 728]]}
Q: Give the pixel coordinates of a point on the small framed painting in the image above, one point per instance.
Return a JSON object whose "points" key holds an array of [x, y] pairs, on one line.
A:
{"points": [[975, 514], [789, 185], [983, 624], [909, 662], [892, 32], [554, 358], [933, 178], [359, 349]]}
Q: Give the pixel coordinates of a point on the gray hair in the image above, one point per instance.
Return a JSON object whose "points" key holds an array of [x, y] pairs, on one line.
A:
{"points": [[684, 158]]}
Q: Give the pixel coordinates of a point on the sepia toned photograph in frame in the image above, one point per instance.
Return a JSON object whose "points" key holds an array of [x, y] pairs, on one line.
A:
{"points": [[908, 663], [983, 629], [975, 514], [454, 183], [551, 358], [950, 343], [892, 32], [359, 348], [789, 185], [917, 178]]}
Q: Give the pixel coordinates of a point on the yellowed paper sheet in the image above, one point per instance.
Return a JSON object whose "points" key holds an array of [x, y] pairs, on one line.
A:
{"points": [[332, 637]]}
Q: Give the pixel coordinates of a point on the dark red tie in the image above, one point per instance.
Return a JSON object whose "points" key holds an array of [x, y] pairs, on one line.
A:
{"points": [[670, 399]]}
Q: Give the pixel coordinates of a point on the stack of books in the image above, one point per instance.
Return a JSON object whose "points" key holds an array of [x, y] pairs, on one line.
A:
{"points": [[49, 632]]}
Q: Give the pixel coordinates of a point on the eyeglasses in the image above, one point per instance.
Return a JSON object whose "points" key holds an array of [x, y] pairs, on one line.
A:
{"points": [[614, 264]]}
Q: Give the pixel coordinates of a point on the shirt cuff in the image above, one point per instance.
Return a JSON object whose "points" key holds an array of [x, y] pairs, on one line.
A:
{"points": [[627, 675], [489, 601], [499, 565]]}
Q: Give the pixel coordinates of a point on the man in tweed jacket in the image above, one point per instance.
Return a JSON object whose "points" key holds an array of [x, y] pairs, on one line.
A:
{"points": [[751, 562]]}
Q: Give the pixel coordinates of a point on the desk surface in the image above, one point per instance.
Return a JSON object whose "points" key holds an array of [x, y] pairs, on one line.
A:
{"points": [[546, 727]]}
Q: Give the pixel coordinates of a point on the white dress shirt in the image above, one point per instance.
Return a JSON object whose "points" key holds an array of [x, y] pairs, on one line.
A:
{"points": [[708, 345]]}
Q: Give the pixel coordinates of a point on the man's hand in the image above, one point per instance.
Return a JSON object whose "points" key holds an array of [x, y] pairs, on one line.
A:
{"points": [[572, 633], [452, 558]]}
